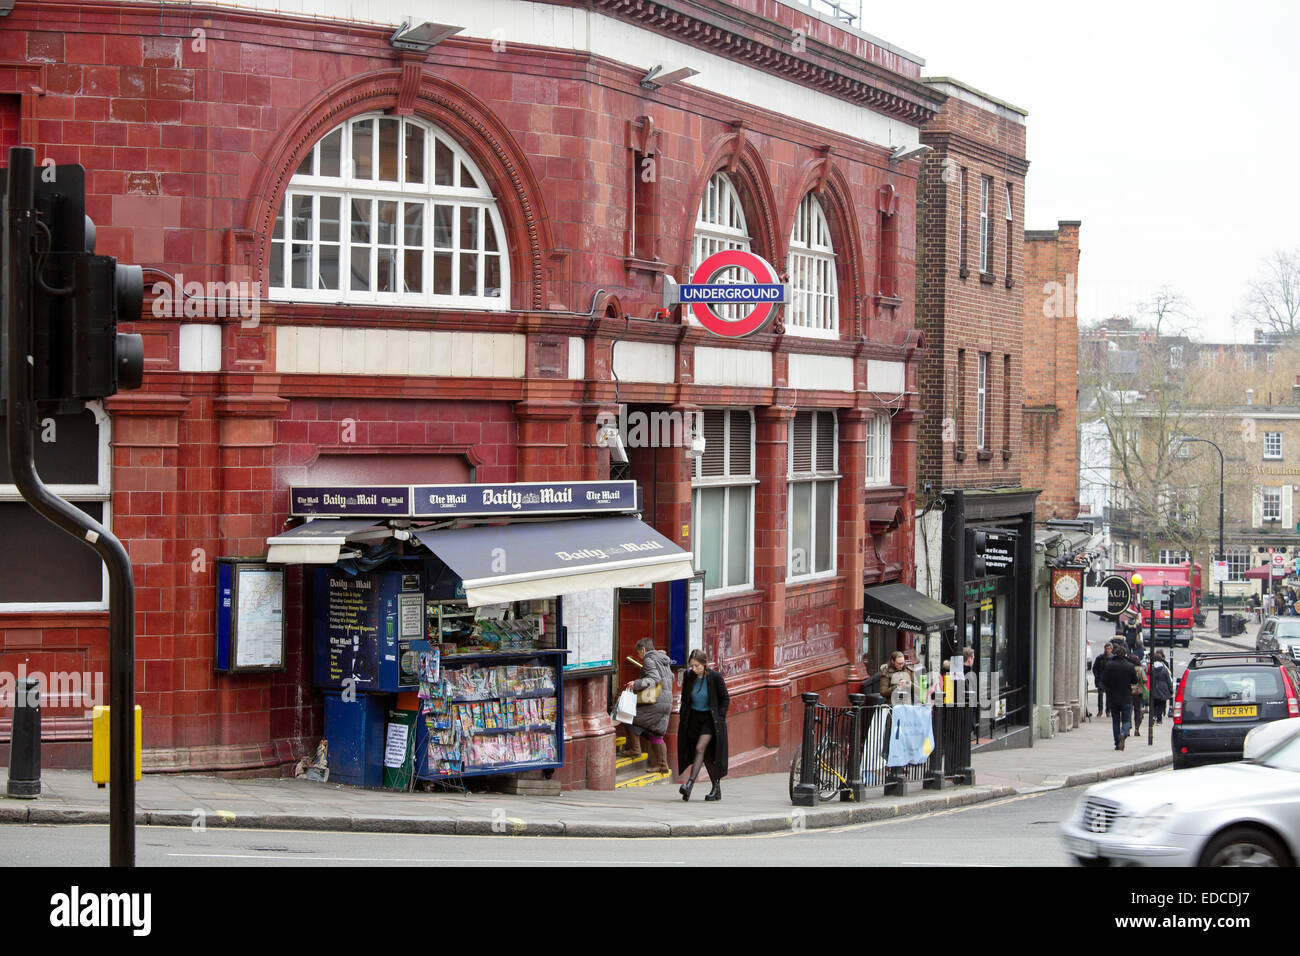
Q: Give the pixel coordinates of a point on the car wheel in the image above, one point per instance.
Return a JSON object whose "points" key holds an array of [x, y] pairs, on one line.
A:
{"points": [[1245, 846], [1090, 861]]}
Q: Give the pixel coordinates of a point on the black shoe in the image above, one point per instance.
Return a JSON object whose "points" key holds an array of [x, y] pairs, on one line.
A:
{"points": [[715, 793], [1121, 743], [685, 789]]}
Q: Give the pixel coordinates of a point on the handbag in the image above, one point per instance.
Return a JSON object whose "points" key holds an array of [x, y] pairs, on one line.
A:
{"points": [[650, 695]]}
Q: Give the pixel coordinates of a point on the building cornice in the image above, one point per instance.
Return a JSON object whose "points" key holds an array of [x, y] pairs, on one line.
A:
{"points": [[953, 142]]}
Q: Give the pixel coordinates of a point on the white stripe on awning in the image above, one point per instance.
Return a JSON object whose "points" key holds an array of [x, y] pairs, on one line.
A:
{"points": [[544, 587]]}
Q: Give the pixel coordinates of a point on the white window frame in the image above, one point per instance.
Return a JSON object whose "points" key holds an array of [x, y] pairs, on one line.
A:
{"points": [[981, 399], [100, 491], [815, 311], [1173, 556], [1238, 563], [813, 478], [985, 226], [1274, 439], [731, 484], [878, 451], [720, 225], [1271, 491], [347, 189]]}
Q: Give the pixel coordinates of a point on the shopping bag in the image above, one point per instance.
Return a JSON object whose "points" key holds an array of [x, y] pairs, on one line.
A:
{"points": [[625, 709]]}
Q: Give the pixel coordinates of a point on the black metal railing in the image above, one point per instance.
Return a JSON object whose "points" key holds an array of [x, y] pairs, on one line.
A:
{"points": [[849, 748]]}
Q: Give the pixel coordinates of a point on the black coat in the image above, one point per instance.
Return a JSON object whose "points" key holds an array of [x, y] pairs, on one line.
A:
{"points": [[1099, 665], [719, 701], [1118, 679]]}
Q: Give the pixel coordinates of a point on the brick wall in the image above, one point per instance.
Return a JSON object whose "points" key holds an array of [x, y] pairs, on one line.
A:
{"points": [[1051, 367], [963, 311]]}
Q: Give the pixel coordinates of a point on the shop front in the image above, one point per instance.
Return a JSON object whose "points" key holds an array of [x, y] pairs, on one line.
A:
{"points": [[444, 619], [988, 577]]}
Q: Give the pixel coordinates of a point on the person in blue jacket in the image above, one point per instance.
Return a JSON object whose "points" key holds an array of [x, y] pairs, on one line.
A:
{"points": [[702, 734]]}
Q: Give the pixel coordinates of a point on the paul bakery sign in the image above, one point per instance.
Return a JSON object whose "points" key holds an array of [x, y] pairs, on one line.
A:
{"points": [[763, 294]]}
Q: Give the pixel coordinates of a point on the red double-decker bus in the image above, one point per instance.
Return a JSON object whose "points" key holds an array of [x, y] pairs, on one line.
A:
{"points": [[1183, 581]]}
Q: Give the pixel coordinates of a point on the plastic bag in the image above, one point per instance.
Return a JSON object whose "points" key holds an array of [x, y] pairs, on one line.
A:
{"points": [[625, 709]]}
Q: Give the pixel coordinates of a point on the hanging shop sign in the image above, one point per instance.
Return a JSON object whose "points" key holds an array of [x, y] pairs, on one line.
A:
{"points": [[702, 293], [1067, 587], [1119, 595], [535, 498]]}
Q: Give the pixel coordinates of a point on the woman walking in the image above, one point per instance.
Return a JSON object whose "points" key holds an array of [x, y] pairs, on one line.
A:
{"points": [[702, 737]]}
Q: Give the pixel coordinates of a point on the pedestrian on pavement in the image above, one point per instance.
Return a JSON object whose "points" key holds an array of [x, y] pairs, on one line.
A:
{"points": [[654, 707], [972, 688], [1118, 678], [702, 737], [1139, 692], [872, 684], [1162, 686], [1099, 665], [895, 678], [1131, 631]]}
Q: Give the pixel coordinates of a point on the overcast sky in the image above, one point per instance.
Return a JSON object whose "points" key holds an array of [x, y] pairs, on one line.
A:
{"points": [[1172, 130]]}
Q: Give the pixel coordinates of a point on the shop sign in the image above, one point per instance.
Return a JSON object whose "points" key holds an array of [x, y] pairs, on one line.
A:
{"points": [[893, 622], [1000, 554], [764, 294], [1067, 587], [535, 498], [980, 590], [1119, 595], [380, 501]]}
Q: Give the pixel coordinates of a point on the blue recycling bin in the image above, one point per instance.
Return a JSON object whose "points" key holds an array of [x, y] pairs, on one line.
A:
{"points": [[355, 731]]}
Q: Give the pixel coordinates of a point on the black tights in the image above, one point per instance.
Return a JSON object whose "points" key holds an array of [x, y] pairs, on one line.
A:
{"points": [[701, 746]]}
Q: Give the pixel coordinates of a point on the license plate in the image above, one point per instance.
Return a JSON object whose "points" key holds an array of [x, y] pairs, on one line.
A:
{"points": [[1084, 848], [1248, 711]]}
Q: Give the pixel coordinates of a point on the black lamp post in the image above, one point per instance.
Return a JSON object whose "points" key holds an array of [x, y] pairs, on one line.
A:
{"points": [[1222, 554]]}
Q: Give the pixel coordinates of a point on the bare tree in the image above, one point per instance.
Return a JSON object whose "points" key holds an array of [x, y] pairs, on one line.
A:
{"points": [[1273, 299], [1170, 312]]}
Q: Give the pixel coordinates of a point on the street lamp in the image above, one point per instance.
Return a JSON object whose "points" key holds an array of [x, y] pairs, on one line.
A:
{"points": [[1222, 554]]}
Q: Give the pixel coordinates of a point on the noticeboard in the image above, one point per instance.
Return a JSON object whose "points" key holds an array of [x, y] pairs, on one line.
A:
{"points": [[251, 620], [588, 620]]}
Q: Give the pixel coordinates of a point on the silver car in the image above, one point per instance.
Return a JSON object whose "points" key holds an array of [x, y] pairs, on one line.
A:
{"points": [[1245, 813], [1280, 635]]}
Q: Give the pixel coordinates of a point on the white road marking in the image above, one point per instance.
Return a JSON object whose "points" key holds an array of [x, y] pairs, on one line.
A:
{"points": [[300, 858]]}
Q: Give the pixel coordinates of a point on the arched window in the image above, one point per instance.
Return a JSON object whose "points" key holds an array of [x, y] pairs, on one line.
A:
{"points": [[816, 307], [720, 225], [389, 210]]}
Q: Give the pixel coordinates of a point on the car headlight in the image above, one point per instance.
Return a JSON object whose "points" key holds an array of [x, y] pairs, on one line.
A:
{"points": [[1151, 822]]}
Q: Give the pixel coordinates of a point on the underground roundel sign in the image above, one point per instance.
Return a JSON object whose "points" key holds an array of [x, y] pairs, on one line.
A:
{"points": [[763, 294]]}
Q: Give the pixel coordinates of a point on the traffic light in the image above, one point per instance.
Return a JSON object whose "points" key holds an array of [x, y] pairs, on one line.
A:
{"points": [[976, 544], [78, 298]]}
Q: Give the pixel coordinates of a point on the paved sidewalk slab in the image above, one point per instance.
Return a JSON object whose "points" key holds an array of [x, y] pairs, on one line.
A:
{"points": [[756, 804]]}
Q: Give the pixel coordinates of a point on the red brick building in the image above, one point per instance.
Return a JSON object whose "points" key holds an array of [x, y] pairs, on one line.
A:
{"points": [[1052, 367], [970, 303], [458, 250]]}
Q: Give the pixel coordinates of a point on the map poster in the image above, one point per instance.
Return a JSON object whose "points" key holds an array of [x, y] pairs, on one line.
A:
{"points": [[257, 637]]}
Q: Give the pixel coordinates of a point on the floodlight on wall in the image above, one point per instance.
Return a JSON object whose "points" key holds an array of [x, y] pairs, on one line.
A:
{"points": [[662, 74], [908, 152], [421, 36]]}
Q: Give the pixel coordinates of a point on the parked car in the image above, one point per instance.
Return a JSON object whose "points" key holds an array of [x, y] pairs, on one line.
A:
{"points": [[1279, 635], [1245, 813], [1221, 697]]}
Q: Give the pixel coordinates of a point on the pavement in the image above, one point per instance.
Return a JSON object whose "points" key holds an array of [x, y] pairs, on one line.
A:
{"points": [[755, 804]]}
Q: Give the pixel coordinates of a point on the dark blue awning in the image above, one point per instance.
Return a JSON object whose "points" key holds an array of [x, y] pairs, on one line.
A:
{"points": [[524, 561]]}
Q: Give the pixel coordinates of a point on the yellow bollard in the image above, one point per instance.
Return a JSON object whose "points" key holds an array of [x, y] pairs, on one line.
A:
{"points": [[99, 764]]}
